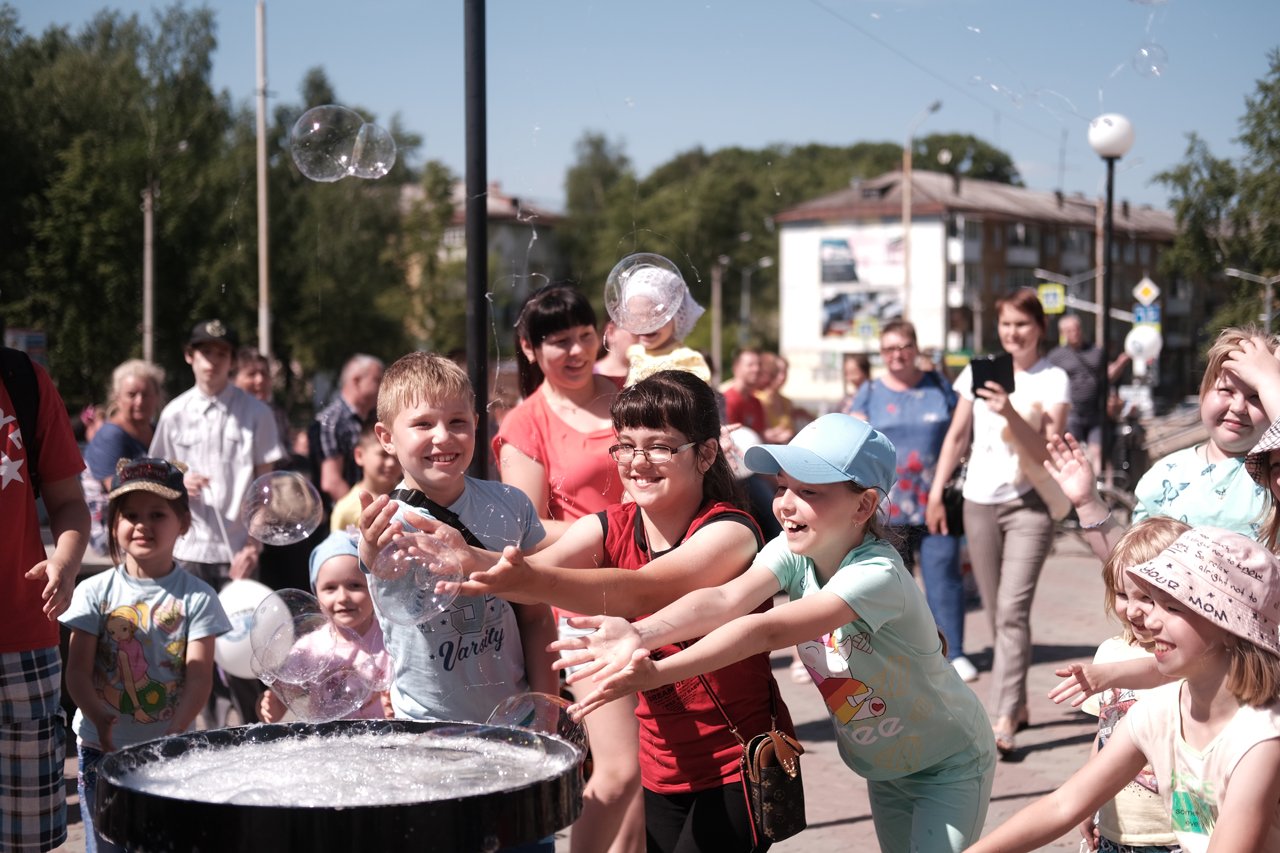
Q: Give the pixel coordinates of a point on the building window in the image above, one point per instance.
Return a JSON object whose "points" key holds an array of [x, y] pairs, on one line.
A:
{"points": [[952, 272], [455, 238], [1144, 253], [972, 230], [996, 237], [1022, 277], [1050, 243]]}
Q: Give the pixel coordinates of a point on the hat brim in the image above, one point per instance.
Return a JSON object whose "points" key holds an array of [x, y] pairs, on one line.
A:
{"points": [[145, 486], [1256, 463], [796, 462]]}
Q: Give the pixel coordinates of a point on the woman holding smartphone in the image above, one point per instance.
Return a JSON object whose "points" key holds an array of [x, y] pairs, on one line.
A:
{"points": [[1007, 523]]}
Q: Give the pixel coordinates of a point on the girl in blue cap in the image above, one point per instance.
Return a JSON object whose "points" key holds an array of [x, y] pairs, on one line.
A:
{"points": [[903, 718]]}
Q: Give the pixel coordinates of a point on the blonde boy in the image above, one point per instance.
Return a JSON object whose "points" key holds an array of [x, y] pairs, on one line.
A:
{"points": [[380, 473], [460, 663]]}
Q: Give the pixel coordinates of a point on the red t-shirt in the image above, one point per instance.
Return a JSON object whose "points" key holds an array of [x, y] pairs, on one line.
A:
{"points": [[744, 409], [24, 626], [685, 743]]}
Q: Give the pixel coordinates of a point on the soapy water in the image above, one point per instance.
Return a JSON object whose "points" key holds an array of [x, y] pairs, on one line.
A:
{"points": [[329, 143], [281, 508], [540, 712], [350, 771]]}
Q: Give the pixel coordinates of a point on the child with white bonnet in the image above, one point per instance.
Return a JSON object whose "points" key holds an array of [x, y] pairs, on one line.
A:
{"points": [[654, 304]]}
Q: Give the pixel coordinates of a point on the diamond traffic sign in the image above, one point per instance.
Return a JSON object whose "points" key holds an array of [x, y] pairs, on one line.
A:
{"points": [[1146, 291]]}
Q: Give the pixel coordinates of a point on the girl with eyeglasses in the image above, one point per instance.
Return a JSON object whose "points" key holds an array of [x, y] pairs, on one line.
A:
{"points": [[682, 529]]}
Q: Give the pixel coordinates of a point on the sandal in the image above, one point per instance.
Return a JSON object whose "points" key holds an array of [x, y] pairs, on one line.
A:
{"points": [[1006, 741]]}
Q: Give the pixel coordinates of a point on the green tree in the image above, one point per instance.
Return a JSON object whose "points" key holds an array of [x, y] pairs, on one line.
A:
{"points": [[966, 155]]}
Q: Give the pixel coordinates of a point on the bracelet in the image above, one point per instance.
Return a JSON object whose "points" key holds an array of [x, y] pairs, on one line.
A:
{"points": [[1097, 523]]}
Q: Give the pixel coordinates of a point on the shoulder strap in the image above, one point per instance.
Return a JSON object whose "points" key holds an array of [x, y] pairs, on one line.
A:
{"points": [[20, 381], [413, 497]]}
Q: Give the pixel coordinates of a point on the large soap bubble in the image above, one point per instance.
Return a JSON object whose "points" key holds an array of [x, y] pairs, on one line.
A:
{"points": [[404, 576], [540, 712], [281, 508], [318, 669], [1150, 60], [330, 142], [643, 292]]}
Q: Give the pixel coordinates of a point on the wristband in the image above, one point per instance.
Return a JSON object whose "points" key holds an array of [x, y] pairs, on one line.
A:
{"points": [[1097, 523]]}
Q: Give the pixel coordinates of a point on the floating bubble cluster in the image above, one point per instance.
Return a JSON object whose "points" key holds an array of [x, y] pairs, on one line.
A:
{"points": [[405, 575], [1150, 60], [281, 508], [540, 712], [330, 143], [643, 292], [318, 669]]}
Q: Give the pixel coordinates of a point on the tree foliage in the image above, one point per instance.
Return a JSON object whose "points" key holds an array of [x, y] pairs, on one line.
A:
{"points": [[1229, 213]]}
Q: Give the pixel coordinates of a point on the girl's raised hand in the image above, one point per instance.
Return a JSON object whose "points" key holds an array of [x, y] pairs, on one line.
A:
{"points": [[601, 653], [1079, 682], [1254, 363], [636, 675], [1070, 467]]}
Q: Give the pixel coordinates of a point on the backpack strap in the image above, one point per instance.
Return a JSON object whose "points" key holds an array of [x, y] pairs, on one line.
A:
{"points": [[19, 377]]}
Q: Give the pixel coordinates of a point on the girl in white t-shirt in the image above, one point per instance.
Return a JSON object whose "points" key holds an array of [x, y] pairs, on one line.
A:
{"points": [[1211, 603], [1007, 521]]}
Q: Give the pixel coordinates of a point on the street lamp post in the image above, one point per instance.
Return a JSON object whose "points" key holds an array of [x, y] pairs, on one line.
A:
{"points": [[1111, 137], [906, 205], [1267, 282], [744, 300]]}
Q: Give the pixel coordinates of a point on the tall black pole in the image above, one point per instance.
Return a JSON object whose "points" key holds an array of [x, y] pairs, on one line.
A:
{"points": [[1104, 381], [477, 231]]}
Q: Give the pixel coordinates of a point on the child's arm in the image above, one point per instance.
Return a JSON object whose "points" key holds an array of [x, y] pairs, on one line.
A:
{"points": [[750, 634], [1070, 467], [270, 707], [197, 683], [69, 524], [696, 613], [81, 651], [1250, 801], [1052, 815], [716, 553], [537, 631], [1089, 826], [1257, 366], [1082, 680]]}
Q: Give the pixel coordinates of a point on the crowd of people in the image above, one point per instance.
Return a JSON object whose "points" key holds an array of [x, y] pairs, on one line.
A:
{"points": [[629, 555]]}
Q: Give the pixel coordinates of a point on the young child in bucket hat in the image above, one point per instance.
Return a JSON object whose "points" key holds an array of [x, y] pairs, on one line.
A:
{"points": [[903, 718], [1211, 602]]}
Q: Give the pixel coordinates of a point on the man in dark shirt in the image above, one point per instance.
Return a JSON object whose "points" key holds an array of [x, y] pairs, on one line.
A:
{"points": [[1083, 363]]}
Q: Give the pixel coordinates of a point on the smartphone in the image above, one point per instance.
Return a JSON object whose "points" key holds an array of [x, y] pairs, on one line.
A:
{"points": [[993, 368]]}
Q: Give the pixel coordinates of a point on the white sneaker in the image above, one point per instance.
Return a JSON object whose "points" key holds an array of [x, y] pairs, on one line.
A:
{"points": [[966, 670]]}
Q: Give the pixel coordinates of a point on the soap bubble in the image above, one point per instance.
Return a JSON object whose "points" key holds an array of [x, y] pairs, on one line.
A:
{"points": [[643, 292], [333, 695], [540, 712], [1150, 60], [329, 143], [281, 508], [282, 620], [405, 574]]}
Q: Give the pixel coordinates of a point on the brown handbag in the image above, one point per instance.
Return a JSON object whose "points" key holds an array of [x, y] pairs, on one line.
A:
{"points": [[771, 779]]}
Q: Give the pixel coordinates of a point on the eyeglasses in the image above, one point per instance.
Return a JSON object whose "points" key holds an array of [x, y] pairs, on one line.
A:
{"points": [[884, 350], [656, 455]]}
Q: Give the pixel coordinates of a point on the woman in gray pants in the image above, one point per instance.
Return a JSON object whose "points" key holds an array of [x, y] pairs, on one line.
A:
{"points": [[1008, 526]]}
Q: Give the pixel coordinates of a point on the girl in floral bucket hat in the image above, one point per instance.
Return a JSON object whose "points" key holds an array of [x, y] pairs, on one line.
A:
{"points": [[1212, 603]]}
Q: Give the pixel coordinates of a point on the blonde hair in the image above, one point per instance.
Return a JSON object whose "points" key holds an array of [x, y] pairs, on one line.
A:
{"points": [[418, 377], [1253, 674], [1229, 341], [1140, 543], [150, 373]]}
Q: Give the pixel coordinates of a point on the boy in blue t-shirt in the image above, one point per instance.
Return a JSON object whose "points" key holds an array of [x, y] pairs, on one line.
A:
{"points": [[480, 650]]}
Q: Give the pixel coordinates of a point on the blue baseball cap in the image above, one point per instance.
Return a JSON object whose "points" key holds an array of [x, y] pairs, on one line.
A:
{"points": [[833, 449], [336, 544]]}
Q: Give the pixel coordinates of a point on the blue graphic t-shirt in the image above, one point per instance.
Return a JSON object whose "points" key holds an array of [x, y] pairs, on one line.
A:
{"points": [[1186, 486], [916, 421]]}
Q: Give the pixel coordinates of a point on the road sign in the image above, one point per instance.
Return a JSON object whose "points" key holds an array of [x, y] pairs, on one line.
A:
{"points": [[1146, 315], [1053, 297], [1146, 291]]}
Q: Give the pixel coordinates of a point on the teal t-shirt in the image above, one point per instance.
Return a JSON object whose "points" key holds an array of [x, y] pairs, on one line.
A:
{"points": [[1186, 486], [897, 705]]}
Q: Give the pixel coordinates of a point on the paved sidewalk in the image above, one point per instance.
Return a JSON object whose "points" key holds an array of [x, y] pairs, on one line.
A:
{"points": [[1067, 623]]}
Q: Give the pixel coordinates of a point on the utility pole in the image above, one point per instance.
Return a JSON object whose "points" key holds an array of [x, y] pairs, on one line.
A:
{"points": [[264, 286]]}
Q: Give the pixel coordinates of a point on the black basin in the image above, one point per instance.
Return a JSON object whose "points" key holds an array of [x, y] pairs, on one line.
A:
{"points": [[146, 821]]}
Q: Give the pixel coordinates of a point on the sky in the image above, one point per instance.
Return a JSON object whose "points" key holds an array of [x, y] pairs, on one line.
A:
{"points": [[665, 76]]}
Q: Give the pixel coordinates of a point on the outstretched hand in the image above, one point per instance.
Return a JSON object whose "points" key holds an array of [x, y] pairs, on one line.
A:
{"points": [[637, 674], [1079, 682], [508, 577], [606, 650], [1070, 468]]}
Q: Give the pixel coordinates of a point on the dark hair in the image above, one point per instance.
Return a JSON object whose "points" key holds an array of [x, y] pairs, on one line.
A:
{"points": [[679, 401], [899, 326], [1026, 300], [181, 508], [550, 309]]}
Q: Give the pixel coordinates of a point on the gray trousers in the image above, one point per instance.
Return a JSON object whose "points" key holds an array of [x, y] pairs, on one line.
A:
{"points": [[1008, 544]]}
